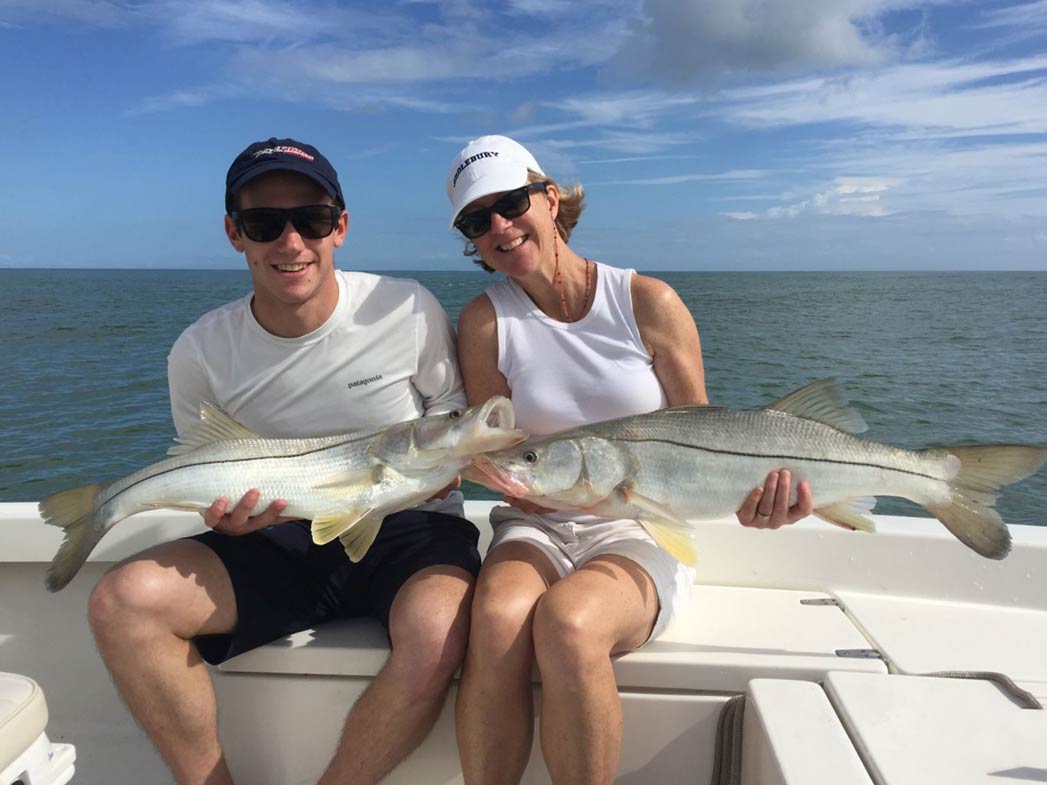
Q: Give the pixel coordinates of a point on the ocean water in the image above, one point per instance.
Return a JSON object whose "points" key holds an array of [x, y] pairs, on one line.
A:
{"points": [[928, 358]]}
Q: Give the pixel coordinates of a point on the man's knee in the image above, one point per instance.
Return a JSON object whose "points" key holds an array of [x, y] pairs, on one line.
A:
{"points": [[429, 630], [180, 588]]}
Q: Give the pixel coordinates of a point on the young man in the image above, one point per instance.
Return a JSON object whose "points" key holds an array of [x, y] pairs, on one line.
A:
{"points": [[310, 351]]}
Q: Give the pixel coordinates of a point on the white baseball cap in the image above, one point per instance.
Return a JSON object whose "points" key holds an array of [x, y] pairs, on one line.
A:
{"points": [[488, 165]]}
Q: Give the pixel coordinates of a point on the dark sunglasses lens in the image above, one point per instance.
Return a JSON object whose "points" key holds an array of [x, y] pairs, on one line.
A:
{"points": [[315, 221], [510, 205], [262, 225], [475, 224], [265, 224], [513, 204]]}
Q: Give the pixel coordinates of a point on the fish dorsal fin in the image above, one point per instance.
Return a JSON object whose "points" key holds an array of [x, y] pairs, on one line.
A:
{"points": [[214, 426], [821, 401]]}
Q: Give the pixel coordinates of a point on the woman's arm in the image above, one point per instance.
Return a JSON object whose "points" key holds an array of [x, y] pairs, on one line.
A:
{"points": [[478, 351]]}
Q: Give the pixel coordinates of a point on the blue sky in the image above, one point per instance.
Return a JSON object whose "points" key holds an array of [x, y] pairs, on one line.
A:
{"points": [[748, 135]]}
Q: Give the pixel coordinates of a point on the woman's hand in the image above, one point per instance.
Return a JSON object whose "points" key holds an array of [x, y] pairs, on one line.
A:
{"points": [[767, 507], [239, 520]]}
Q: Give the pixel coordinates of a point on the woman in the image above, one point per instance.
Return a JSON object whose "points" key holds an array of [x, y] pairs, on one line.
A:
{"points": [[571, 341]]}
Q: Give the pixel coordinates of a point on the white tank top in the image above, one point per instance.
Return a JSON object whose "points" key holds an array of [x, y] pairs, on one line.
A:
{"points": [[563, 375]]}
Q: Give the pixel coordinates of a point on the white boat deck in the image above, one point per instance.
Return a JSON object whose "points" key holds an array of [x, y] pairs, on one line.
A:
{"points": [[774, 615]]}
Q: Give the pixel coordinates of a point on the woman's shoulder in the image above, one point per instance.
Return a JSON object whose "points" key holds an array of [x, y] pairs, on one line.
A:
{"points": [[476, 312]]}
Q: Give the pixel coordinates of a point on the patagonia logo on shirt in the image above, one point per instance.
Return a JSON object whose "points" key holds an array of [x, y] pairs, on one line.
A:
{"points": [[362, 382]]}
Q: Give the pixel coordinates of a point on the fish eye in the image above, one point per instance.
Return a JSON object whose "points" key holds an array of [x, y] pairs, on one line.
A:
{"points": [[455, 415], [530, 456]]}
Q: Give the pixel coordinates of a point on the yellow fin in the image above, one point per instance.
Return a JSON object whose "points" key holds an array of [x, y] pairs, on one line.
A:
{"points": [[674, 539], [214, 426], [326, 528], [848, 514], [360, 537]]}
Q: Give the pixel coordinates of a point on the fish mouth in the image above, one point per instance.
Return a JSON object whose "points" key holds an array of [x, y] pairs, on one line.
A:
{"points": [[496, 425], [492, 476]]}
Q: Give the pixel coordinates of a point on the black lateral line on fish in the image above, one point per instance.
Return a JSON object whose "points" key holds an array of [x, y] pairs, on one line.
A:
{"points": [[782, 457], [231, 460]]}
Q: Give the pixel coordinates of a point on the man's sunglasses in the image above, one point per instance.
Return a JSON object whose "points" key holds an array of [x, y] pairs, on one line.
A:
{"points": [[265, 224], [511, 204]]}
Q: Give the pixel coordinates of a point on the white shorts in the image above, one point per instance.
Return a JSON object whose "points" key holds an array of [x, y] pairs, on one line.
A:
{"points": [[572, 540]]}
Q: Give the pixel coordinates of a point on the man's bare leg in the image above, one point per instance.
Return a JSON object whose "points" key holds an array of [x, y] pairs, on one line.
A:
{"points": [[429, 628], [144, 613]]}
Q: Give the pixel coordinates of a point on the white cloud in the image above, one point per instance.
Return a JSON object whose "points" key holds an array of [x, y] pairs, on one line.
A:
{"points": [[743, 216], [698, 39]]}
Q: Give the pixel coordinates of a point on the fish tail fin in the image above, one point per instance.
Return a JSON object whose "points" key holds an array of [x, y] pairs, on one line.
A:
{"points": [[983, 470], [72, 511]]}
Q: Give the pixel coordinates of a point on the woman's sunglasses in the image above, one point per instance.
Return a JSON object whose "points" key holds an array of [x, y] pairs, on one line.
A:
{"points": [[265, 224], [511, 204]]}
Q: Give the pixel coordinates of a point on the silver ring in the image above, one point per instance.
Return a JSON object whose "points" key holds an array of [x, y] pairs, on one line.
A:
{"points": [[762, 516]]}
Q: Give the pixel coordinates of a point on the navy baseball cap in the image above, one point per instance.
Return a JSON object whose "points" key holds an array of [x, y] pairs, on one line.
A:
{"points": [[281, 155]]}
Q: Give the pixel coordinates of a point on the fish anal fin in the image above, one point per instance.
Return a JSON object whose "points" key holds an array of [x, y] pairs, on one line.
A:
{"points": [[326, 528], [849, 514], [358, 540], [214, 426], [676, 541], [821, 401]]}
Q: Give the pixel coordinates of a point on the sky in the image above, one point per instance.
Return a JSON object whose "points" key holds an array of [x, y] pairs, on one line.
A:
{"points": [[709, 135]]}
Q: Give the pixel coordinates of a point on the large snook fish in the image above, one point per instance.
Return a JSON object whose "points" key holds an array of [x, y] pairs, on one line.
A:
{"points": [[344, 484], [700, 462]]}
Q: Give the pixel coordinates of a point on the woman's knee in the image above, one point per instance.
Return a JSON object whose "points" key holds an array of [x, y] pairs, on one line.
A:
{"points": [[567, 633]]}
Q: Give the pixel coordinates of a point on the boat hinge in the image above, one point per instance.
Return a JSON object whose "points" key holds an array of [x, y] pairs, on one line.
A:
{"points": [[860, 654]]}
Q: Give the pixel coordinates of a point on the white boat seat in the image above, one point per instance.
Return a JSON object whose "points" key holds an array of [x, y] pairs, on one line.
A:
{"points": [[727, 636], [792, 736], [921, 636], [23, 715], [914, 730], [26, 754]]}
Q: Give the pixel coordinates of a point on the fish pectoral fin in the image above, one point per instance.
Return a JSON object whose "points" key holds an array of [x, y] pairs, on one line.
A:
{"points": [[360, 537], [214, 426], [821, 401], [849, 514], [652, 506], [326, 528], [676, 540], [352, 479]]}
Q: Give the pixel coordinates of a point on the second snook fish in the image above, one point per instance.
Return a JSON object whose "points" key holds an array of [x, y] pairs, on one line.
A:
{"points": [[700, 462]]}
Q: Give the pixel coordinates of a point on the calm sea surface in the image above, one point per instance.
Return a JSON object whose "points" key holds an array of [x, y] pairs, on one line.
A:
{"points": [[928, 358]]}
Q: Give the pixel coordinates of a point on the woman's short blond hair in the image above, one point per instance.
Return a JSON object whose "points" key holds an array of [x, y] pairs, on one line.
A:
{"points": [[572, 202]]}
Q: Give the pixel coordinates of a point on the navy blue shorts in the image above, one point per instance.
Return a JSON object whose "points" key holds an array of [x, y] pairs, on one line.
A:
{"points": [[285, 583]]}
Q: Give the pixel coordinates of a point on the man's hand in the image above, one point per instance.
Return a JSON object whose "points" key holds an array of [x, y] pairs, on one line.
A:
{"points": [[239, 520], [767, 507]]}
